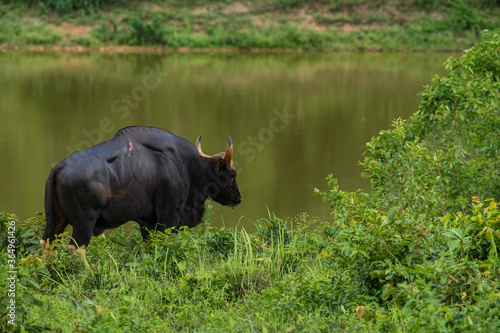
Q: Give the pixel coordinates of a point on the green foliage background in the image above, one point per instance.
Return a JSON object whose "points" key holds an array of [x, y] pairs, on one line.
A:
{"points": [[377, 25], [417, 253]]}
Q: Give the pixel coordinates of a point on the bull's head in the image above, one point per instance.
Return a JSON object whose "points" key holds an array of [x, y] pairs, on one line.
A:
{"points": [[222, 187]]}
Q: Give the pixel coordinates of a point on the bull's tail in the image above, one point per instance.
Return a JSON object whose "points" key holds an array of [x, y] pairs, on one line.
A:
{"points": [[53, 215]]}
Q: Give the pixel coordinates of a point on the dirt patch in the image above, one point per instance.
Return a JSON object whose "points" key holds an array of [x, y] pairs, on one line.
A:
{"points": [[349, 28], [236, 8], [72, 30], [310, 24], [200, 10], [307, 21], [436, 16], [198, 28]]}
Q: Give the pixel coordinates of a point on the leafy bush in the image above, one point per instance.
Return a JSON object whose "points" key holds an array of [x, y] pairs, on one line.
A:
{"points": [[274, 232], [68, 5], [221, 242], [147, 34], [449, 151], [170, 251], [425, 240]]}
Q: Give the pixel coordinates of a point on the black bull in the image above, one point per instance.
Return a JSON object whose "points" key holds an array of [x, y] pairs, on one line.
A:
{"points": [[143, 174]]}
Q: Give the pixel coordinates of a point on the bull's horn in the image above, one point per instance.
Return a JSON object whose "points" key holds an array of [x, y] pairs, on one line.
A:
{"points": [[198, 146], [228, 155]]}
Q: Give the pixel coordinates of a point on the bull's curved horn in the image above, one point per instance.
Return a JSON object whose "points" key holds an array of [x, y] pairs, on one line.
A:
{"points": [[198, 146], [228, 155]]}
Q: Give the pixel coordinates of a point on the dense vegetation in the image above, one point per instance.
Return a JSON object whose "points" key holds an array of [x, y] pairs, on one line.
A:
{"points": [[269, 24], [417, 253]]}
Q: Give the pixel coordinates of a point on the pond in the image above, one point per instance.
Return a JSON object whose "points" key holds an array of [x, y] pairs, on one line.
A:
{"points": [[294, 118]]}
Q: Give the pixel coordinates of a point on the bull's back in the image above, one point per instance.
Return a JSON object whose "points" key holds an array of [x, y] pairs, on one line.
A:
{"points": [[121, 177], [156, 140]]}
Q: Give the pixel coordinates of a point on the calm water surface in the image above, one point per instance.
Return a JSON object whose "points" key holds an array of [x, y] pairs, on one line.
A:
{"points": [[293, 118]]}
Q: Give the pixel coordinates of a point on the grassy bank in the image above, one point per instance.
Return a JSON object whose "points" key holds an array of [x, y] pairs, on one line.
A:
{"points": [[353, 25], [417, 253]]}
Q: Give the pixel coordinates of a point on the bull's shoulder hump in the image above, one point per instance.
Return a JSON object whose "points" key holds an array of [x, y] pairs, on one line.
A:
{"points": [[142, 132], [83, 157], [153, 138]]}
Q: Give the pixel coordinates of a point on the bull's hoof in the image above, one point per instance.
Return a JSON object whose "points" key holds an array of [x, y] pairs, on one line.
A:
{"points": [[46, 251], [80, 252]]}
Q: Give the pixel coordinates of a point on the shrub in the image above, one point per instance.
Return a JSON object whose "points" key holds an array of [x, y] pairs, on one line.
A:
{"points": [[425, 240], [449, 150], [147, 34], [64, 6], [221, 242]]}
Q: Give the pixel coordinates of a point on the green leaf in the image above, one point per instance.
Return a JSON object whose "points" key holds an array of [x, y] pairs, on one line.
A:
{"points": [[478, 219], [84, 310], [73, 304], [453, 244]]}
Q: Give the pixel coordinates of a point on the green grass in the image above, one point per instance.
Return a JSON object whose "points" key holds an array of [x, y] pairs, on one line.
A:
{"points": [[304, 278], [288, 36], [22, 31], [206, 279]]}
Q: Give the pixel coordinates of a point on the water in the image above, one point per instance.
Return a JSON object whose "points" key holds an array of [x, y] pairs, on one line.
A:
{"points": [[294, 117]]}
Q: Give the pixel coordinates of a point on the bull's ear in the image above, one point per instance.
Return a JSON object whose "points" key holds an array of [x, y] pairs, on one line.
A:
{"points": [[198, 146], [228, 155]]}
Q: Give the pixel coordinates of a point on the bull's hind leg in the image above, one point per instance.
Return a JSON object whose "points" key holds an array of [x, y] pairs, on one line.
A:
{"points": [[82, 233], [50, 236]]}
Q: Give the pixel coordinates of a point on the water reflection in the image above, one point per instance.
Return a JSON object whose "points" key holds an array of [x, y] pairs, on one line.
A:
{"points": [[294, 118]]}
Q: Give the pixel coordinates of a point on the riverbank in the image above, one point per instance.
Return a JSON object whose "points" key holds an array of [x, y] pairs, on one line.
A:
{"points": [[251, 25]]}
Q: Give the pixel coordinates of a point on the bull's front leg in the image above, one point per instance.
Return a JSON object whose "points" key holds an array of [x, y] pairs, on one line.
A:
{"points": [[147, 227]]}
